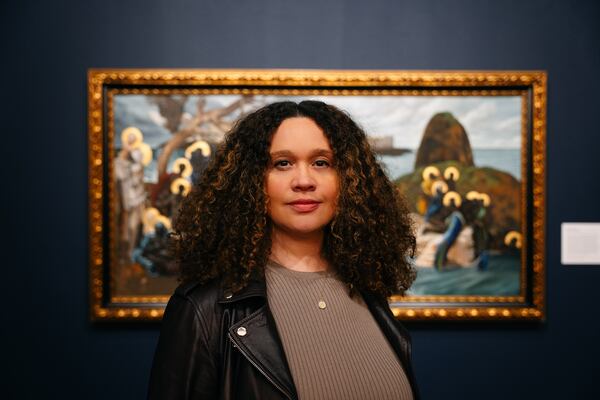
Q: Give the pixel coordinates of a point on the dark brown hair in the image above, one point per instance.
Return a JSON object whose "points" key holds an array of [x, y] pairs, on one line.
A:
{"points": [[223, 229]]}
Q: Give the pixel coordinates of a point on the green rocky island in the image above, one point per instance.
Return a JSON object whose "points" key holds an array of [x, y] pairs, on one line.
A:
{"points": [[444, 144]]}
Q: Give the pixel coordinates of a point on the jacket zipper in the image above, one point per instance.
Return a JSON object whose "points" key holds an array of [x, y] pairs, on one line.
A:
{"points": [[237, 345]]}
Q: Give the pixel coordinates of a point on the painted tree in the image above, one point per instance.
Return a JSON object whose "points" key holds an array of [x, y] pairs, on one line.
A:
{"points": [[207, 124]]}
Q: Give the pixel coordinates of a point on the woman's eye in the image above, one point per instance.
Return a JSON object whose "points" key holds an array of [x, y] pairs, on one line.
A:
{"points": [[322, 163], [281, 163]]}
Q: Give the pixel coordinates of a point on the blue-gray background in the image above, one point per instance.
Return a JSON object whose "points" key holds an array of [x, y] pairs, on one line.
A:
{"points": [[50, 350]]}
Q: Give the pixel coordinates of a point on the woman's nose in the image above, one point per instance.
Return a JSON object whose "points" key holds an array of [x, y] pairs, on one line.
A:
{"points": [[303, 179]]}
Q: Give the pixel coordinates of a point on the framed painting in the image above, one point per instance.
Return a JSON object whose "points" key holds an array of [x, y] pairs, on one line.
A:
{"points": [[465, 148]]}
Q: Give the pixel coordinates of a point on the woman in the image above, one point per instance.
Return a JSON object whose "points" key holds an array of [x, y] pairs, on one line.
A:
{"points": [[288, 248]]}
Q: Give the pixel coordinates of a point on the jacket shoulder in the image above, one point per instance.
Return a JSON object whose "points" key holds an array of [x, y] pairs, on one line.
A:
{"points": [[186, 360], [203, 297]]}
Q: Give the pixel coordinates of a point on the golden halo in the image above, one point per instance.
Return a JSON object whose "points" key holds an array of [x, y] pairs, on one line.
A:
{"points": [[426, 186], [472, 195], [513, 235], [448, 197], [146, 153], [438, 185], [180, 182], [198, 145], [187, 167], [485, 198], [431, 170], [451, 174], [137, 136], [164, 220]]}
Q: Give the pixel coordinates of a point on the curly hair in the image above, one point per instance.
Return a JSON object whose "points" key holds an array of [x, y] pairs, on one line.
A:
{"points": [[223, 229]]}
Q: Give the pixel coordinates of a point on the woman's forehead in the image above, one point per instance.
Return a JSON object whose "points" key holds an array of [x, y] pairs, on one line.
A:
{"points": [[299, 134]]}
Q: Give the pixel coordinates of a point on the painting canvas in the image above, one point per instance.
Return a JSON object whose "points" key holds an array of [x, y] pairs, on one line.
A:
{"points": [[461, 160]]}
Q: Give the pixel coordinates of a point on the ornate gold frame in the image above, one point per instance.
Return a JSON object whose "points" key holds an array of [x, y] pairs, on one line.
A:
{"points": [[531, 85]]}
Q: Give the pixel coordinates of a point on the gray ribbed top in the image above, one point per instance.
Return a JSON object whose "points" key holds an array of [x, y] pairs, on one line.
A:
{"points": [[335, 349]]}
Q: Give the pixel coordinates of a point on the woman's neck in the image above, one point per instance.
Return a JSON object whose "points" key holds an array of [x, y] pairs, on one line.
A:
{"points": [[298, 254]]}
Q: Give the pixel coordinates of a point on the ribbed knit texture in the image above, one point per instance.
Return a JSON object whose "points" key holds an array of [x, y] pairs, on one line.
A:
{"points": [[337, 352]]}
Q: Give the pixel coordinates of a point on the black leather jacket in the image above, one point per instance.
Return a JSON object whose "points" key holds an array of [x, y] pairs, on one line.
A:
{"points": [[215, 345]]}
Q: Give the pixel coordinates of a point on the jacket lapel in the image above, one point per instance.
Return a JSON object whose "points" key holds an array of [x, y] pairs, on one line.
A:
{"points": [[257, 339]]}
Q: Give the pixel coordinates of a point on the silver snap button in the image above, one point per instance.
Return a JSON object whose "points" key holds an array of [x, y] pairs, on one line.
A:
{"points": [[241, 331], [322, 305]]}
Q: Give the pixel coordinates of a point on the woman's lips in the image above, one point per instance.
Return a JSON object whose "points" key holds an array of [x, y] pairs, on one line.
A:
{"points": [[304, 206]]}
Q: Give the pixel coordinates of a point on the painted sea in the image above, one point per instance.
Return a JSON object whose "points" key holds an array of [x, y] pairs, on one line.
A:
{"points": [[501, 278]]}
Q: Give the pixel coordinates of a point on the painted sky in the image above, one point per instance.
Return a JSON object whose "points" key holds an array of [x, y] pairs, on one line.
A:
{"points": [[490, 122]]}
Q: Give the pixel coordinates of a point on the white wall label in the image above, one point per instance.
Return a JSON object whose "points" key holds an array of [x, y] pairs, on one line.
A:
{"points": [[580, 243]]}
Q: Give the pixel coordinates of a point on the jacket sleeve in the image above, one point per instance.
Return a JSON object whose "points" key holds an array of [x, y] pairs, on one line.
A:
{"points": [[183, 366]]}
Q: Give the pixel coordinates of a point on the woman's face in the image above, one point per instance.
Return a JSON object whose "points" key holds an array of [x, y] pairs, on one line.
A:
{"points": [[301, 182]]}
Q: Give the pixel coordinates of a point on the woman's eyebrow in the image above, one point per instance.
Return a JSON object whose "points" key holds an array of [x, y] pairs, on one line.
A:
{"points": [[288, 153], [281, 153], [323, 152]]}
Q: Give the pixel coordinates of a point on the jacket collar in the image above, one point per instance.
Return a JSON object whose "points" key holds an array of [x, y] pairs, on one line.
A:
{"points": [[256, 287]]}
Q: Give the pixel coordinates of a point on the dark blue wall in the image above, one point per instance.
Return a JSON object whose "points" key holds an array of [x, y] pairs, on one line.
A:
{"points": [[47, 47]]}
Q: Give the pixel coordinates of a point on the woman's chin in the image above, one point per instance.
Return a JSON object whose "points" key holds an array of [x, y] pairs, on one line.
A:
{"points": [[303, 230]]}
